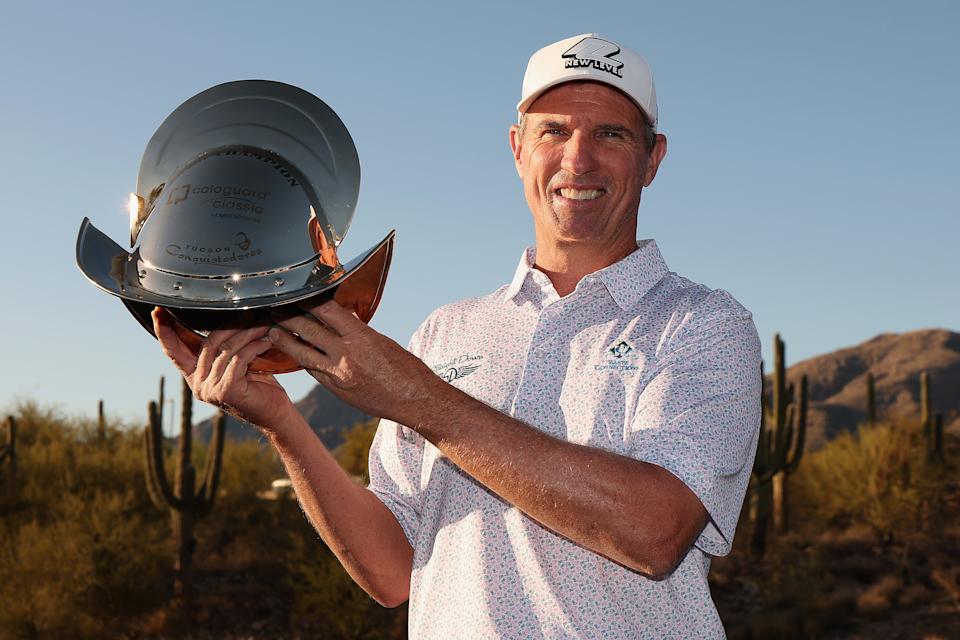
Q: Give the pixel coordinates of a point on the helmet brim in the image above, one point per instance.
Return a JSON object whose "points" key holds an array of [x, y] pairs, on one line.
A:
{"points": [[357, 286], [108, 266]]}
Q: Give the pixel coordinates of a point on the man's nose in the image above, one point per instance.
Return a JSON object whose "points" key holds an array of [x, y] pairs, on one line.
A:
{"points": [[579, 153]]}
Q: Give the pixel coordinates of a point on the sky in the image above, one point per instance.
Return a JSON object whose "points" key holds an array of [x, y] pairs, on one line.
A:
{"points": [[811, 167]]}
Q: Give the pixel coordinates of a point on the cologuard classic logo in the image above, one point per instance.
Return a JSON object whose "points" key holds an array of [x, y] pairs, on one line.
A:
{"points": [[619, 356], [457, 368], [596, 53]]}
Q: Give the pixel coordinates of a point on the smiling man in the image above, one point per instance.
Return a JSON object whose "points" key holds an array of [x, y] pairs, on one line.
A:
{"points": [[560, 458]]}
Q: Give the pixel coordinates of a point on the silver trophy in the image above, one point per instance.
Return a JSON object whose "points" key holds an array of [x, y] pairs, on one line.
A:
{"points": [[245, 192]]}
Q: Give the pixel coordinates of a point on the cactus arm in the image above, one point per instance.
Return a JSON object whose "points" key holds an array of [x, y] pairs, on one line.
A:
{"points": [[925, 402], [186, 424], [101, 422], [161, 400], [779, 383], [153, 488], [801, 430], [157, 483], [211, 473], [871, 400]]}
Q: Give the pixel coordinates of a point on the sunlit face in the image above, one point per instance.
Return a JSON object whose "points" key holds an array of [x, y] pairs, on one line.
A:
{"points": [[583, 161]]}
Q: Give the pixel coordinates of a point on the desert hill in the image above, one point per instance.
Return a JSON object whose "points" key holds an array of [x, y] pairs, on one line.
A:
{"points": [[836, 381]]}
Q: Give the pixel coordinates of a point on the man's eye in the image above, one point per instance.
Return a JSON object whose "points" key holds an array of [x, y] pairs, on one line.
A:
{"points": [[611, 134], [552, 132]]}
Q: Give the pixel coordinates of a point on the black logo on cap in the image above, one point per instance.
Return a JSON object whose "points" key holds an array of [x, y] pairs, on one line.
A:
{"points": [[596, 53]]}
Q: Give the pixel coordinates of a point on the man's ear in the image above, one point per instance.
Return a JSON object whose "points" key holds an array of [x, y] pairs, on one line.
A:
{"points": [[515, 146], [656, 157]]}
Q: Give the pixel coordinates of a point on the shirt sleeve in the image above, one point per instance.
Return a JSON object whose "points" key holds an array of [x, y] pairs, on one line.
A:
{"points": [[699, 418], [395, 463]]}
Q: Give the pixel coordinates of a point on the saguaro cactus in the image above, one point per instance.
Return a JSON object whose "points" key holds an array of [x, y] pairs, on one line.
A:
{"points": [[779, 450], [931, 422], [186, 502], [871, 401], [8, 450], [101, 423]]}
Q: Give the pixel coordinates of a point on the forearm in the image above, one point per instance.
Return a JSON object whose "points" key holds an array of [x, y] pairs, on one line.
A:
{"points": [[359, 529], [622, 508]]}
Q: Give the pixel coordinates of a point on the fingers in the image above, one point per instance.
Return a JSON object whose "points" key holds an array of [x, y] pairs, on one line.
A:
{"points": [[165, 329], [336, 317], [309, 330], [227, 345], [305, 355], [210, 350], [237, 368]]}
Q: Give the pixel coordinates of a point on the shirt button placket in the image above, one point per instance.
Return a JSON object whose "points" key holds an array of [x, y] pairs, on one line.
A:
{"points": [[534, 401]]}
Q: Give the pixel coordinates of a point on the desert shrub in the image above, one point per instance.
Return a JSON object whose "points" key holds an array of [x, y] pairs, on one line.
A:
{"points": [[878, 599], [85, 553], [875, 476], [82, 552], [353, 453], [328, 602], [241, 526]]}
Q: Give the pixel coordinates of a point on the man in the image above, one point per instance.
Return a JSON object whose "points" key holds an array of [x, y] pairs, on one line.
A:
{"points": [[586, 446]]}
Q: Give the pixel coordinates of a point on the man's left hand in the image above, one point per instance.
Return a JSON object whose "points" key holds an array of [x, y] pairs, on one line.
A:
{"points": [[360, 366]]}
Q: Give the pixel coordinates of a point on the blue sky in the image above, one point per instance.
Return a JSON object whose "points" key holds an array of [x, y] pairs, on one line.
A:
{"points": [[811, 171]]}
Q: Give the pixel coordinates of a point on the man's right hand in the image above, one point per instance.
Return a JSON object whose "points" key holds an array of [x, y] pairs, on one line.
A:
{"points": [[217, 370], [359, 528]]}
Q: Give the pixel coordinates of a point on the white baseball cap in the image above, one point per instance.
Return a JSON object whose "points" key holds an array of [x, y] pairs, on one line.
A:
{"points": [[590, 56]]}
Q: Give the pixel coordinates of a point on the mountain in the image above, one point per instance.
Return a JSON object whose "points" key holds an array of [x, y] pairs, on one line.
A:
{"points": [[324, 412], [837, 381], [836, 387]]}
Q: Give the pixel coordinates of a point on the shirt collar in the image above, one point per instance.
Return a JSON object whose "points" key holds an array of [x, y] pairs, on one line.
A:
{"points": [[627, 281], [523, 270]]}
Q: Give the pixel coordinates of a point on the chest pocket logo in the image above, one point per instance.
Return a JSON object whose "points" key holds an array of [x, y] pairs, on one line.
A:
{"points": [[459, 367], [455, 373], [620, 356]]}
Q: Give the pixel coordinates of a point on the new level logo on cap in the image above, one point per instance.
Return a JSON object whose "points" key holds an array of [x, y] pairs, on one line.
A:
{"points": [[596, 53]]}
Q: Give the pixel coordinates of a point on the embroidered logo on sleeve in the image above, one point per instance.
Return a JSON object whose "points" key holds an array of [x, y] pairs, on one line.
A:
{"points": [[459, 367]]}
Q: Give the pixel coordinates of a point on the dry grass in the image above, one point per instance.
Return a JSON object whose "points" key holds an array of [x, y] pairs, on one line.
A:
{"points": [[87, 555]]}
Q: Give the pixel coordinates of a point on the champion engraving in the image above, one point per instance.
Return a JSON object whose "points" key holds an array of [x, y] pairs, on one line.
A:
{"points": [[596, 53]]}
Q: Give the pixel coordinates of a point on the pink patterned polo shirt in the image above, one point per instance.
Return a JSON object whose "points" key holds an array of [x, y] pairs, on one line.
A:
{"points": [[637, 360]]}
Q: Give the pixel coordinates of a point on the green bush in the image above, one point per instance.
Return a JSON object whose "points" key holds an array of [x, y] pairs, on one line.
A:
{"points": [[875, 476]]}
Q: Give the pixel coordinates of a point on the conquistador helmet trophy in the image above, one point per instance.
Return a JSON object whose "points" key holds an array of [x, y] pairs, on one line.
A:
{"points": [[244, 194]]}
